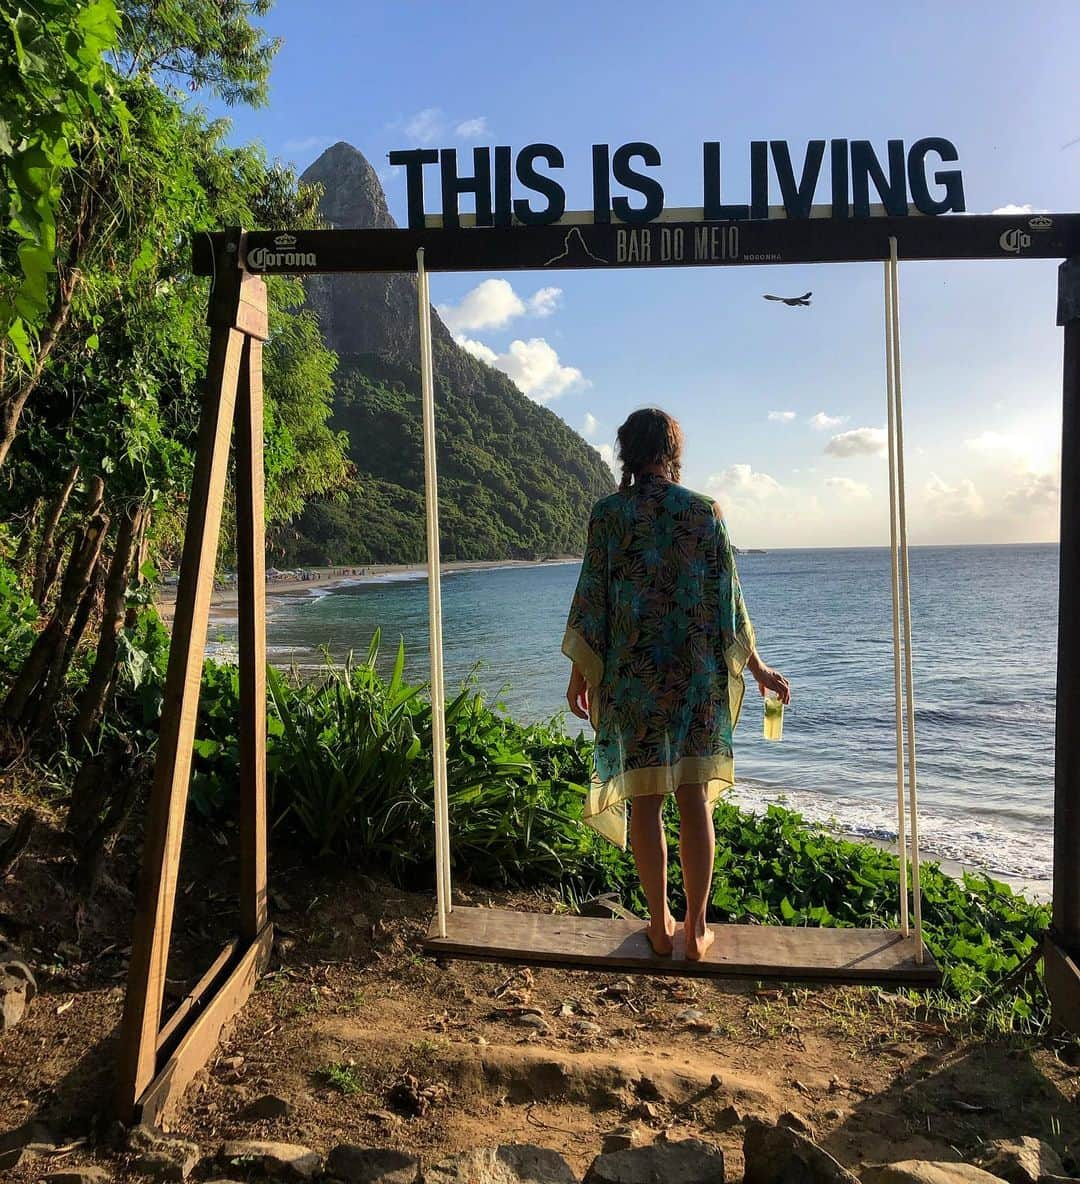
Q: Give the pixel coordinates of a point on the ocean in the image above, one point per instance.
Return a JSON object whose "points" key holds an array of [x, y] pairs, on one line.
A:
{"points": [[985, 625]]}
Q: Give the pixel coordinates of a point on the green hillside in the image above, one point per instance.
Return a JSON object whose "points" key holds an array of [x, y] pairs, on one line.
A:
{"points": [[514, 480]]}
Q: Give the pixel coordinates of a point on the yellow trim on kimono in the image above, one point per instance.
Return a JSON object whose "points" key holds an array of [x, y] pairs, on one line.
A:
{"points": [[736, 655], [605, 805]]}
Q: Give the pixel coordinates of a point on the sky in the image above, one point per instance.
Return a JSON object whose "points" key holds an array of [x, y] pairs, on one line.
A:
{"points": [[783, 408]]}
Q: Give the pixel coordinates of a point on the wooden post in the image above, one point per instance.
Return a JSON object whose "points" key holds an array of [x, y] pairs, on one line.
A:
{"points": [[237, 317], [1063, 943], [251, 572]]}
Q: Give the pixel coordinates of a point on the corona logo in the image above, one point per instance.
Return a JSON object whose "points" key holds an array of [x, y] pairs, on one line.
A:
{"points": [[266, 259], [285, 240], [1014, 241], [1041, 222]]}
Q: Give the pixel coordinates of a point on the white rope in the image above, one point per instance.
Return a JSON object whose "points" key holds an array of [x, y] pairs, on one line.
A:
{"points": [[431, 504], [905, 575], [901, 812]]}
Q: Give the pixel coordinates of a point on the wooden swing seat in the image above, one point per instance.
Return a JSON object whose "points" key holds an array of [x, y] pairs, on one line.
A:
{"points": [[740, 951]]}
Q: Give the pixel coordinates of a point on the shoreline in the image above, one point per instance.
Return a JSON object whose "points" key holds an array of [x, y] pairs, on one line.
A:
{"points": [[224, 601]]}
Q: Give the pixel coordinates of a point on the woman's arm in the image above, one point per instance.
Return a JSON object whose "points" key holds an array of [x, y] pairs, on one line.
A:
{"points": [[767, 678]]}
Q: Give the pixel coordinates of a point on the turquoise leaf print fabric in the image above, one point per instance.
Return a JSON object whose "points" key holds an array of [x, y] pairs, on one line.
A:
{"points": [[659, 629]]}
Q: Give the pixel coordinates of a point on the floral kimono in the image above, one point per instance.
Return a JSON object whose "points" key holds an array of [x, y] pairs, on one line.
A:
{"points": [[659, 629]]}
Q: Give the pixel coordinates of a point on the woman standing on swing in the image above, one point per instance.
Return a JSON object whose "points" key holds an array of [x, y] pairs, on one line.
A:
{"points": [[659, 636]]}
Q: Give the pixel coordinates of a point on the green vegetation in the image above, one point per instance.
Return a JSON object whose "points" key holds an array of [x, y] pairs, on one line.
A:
{"points": [[514, 481], [107, 172], [340, 1076]]}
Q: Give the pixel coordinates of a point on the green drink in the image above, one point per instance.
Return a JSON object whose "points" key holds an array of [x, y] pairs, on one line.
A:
{"points": [[774, 717]]}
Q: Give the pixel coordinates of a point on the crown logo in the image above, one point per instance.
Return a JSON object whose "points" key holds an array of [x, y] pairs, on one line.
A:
{"points": [[1041, 222], [285, 240]]}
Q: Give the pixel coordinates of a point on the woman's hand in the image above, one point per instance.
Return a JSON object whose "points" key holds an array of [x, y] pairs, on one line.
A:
{"points": [[769, 679], [577, 694]]}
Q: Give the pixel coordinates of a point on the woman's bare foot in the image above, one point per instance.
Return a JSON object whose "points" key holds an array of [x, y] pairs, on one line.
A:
{"points": [[698, 941], [662, 936]]}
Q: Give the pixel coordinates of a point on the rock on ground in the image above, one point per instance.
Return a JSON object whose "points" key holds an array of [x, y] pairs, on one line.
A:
{"points": [[780, 1155], [87, 1175], [14, 996], [276, 1159], [17, 986], [622, 1138], [690, 1161], [796, 1122], [372, 1165], [513, 1163], [20, 1146], [162, 1156], [1020, 1161], [265, 1107], [924, 1171]]}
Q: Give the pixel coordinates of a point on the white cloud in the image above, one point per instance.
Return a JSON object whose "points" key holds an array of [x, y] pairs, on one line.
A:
{"points": [[822, 422], [426, 125], [961, 500], [544, 301], [472, 129], [781, 416], [760, 511], [306, 144], [488, 306], [1037, 493], [858, 442], [1028, 447], [989, 443], [494, 303], [740, 483], [1012, 208], [608, 454], [855, 489], [535, 368], [590, 425], [477, 348]]}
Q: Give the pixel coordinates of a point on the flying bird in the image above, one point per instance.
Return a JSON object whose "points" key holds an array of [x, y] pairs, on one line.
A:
{"points": [[793, 301]]}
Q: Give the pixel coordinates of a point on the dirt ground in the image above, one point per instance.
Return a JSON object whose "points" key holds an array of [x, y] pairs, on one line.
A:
{"points": [[373, 1043]]}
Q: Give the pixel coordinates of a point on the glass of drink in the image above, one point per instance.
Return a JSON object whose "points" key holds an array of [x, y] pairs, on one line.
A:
{"points": [[774, 717]]}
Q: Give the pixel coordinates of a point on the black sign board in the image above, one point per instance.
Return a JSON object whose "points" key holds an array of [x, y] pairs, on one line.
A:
{"points": [[614, 245]]}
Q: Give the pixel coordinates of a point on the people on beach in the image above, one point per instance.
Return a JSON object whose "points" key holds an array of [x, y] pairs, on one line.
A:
{"points": [[659, 636]]}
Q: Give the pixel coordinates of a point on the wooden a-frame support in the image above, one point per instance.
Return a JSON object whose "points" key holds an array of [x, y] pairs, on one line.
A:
{"points": [[156, 1062]]}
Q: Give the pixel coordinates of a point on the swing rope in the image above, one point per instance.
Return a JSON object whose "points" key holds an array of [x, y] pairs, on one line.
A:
{"points": [[894, 557], [438, 700], [902, 585]]}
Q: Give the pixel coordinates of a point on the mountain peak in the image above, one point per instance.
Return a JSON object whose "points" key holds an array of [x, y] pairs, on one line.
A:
{"points": [[353, 196]]}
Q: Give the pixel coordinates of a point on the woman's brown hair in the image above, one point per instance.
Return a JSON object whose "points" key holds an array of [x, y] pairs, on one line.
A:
{"points": [[649, 437]]}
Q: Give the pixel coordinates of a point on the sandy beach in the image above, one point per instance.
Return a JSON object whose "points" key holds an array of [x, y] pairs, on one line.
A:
{"points": [[223, 602]]}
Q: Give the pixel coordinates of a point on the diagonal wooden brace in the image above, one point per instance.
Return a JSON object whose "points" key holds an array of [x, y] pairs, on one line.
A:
{"points": [[233, 392]]}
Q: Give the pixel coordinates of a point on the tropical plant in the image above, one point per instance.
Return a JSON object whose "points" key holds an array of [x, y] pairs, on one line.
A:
{"points": [[55, 89]]}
